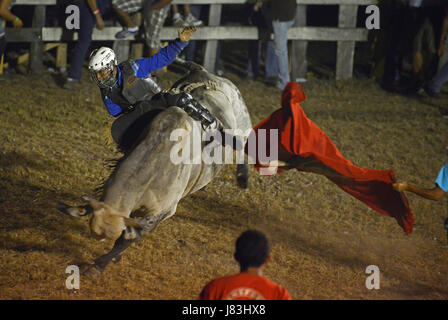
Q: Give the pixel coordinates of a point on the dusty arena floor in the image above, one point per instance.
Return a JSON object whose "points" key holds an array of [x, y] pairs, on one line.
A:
{"points": [[54, 147]]}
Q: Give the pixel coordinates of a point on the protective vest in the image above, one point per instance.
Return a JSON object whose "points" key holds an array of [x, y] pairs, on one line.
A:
{"points": [[133, 89]]}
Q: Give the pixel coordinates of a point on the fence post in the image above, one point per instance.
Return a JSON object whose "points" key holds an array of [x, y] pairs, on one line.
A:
{"points": [[37, 47], [299, 47], [346, 49], [214, 19]]}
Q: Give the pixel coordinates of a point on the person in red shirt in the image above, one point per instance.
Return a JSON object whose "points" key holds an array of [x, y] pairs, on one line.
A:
{"points": [[252, 253]]}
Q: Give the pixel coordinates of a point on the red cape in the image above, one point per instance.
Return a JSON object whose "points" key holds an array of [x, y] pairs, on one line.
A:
{"points": [[301, 137]]}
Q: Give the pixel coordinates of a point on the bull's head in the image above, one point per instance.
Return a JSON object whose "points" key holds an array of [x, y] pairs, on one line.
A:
{"points": [[105, 221]]}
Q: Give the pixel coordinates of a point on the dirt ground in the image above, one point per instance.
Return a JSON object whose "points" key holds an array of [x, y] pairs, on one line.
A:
{"points": [[55, 144]]}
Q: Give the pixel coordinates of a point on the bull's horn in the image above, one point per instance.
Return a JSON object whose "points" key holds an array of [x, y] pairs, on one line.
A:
{"points": [[74, 211], [94, 203]]}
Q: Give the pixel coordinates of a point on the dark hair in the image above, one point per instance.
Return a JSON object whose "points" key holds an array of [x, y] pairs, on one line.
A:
{"points": [[251, 249]]}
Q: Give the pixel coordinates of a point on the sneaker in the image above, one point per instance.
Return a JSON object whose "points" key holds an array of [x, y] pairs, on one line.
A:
{"points": [[126, 33], [192, 21], [71, 84], [178, 21]]}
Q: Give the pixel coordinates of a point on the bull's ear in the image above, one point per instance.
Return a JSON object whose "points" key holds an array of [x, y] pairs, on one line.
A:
{"points": [[95, 204], [129, 222]]}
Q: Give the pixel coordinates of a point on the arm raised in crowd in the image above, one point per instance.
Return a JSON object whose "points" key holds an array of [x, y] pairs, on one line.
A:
{"points": [[7, 15]]}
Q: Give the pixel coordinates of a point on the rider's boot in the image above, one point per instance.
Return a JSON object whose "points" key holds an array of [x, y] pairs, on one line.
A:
{"points": [[198, 112]]}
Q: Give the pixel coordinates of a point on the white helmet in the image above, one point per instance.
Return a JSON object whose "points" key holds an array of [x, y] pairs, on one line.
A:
{"points": [[103, 58]]}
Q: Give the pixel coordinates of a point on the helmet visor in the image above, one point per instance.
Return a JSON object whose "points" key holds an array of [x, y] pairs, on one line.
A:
{"points": [[105, 77]]}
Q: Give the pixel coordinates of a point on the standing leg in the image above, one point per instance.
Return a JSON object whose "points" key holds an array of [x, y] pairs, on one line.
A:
{"points": [[190, 18], [271, 62], [83, 43], [84, 37], [281, 50], [125, 17], [2, 50], [253, 61], [190, 50], [219, 69], [178, 20], [441, 77], [154, 21]]}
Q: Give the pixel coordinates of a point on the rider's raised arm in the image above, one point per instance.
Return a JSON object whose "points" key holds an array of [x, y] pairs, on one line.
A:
{"points": [[164, 57]]}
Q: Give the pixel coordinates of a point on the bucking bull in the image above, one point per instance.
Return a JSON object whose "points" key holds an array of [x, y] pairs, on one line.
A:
{"points": [[146, 179]]}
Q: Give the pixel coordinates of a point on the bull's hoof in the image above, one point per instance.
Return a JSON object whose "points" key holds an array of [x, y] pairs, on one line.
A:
{"points": [[242, 175], [243, 181], [116, 259], [90, 270]]}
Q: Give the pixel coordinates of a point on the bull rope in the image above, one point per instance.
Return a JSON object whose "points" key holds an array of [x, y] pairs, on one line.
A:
{"points": [[207, 85]]}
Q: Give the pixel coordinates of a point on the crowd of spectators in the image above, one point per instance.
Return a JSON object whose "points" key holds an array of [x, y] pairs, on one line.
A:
{"points": [[144, 19], [411, 45], [409, 49], [6, 15]]}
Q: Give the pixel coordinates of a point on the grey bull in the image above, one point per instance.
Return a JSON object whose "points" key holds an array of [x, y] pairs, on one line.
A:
{"points": [[147, 180]]}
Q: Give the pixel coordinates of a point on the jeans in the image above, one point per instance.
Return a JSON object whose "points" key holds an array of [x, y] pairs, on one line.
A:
{"points": [[2, 45], [440, 78], [270, 65], [190, 50], [85, 36], [281, 50]]}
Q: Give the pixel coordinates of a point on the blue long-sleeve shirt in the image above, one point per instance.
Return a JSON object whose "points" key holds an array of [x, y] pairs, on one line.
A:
{"points": [[143, 68]]}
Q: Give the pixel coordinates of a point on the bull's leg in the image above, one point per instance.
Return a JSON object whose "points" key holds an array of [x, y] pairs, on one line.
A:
{"points": [[129, 236], [242, 175], [120, 245], [237, 143], [242, 169]]}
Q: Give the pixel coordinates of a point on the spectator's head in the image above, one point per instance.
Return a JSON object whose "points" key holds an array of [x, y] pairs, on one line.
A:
{"points": [[103, 67], [251, 249]]}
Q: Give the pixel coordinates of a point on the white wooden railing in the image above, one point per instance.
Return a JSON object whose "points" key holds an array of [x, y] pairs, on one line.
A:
{"points": [[346, 34]]}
